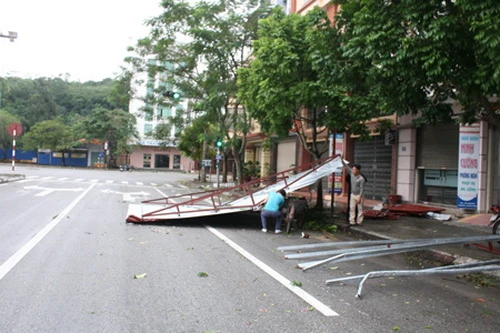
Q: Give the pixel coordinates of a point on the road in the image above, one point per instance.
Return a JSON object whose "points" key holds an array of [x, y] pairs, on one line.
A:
{"points": [[70, 263]]}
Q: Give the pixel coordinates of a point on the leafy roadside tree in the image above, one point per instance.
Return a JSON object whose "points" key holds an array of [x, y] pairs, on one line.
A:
{"points": [[120, 92], [193, 141], [5, 139], [298, 80], [201, 47], [117, 127], [51, 134], [426, 54]]}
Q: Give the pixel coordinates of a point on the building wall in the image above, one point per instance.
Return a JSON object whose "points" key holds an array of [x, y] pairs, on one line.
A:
{"points": [[138, 161], [303, 6]]}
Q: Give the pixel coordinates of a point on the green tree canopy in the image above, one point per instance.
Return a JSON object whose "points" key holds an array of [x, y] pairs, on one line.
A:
{"points": [[117, 127], [296, 66], [198, 48], [426, 54], [50, 134]]}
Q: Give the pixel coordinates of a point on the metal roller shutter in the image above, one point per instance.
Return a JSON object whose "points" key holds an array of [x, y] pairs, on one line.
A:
{"points": [[375, 159], [286, 155], [437, 146]]}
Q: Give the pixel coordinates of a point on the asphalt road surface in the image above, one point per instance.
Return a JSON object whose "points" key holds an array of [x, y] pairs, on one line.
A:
{"points": [[70, 263]]}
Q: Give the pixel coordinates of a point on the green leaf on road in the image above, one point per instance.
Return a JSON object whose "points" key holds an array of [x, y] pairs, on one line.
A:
{"points": [[202, 274], [140, 276]]}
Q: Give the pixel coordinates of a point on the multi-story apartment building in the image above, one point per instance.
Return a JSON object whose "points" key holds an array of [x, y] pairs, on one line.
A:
{"points": [[151, 153]]}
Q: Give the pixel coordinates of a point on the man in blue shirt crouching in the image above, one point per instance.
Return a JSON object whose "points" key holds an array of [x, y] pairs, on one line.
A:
{"points": [[272, 209]]}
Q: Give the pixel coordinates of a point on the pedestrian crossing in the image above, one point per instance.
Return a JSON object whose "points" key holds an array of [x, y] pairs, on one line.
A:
{"points": [[106, 181]]}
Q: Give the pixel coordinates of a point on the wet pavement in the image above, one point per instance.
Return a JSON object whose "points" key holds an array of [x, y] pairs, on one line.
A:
{"points": [[413, 227]]}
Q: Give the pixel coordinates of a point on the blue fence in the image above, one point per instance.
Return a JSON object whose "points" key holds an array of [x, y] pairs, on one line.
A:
{"points": [[74, 158]]}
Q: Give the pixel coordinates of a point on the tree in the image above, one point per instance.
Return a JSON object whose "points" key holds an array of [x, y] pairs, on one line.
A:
{"points": [[426, 54], [201, 47], [32, 101], [117, 127], [193, 141], [298, 80], [5, 139], [50, 134]]}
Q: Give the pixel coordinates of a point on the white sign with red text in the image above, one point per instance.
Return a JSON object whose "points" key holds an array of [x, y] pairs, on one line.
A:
{"points": [[468, 167]]}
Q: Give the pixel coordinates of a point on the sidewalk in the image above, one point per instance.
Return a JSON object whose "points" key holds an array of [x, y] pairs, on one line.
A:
{"points": [[410, 227]]}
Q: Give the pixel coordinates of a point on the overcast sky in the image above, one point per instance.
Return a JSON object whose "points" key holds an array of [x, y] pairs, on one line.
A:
{"points": [[87, 39]]}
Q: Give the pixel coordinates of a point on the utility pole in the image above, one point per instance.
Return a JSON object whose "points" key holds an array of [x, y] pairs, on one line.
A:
{"points": [[11, 35]]}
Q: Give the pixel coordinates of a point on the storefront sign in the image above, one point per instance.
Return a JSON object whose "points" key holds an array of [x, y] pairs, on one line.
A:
{"points": [[468, 167]]}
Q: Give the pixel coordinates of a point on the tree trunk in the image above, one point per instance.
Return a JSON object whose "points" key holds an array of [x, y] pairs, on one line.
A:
{"points": [[319, 195], [237, 163], [203, 170]]}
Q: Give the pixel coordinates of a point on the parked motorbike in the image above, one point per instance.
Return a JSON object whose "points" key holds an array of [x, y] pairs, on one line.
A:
{"points": [[125, 167], [495, 219]]}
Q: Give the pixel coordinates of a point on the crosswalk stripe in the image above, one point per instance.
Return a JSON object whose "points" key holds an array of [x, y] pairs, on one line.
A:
{"points": [[153, 184], [124, 182], [78, 179], [168, 185], [109, 181], [139, 183], [94, 180], [63, 178]]}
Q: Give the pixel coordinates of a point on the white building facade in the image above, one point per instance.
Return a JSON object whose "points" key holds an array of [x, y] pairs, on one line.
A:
{"points": [[151, 153]]}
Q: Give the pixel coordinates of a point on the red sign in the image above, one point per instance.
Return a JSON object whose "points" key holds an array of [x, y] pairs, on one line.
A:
{"points": [[15, 127]]}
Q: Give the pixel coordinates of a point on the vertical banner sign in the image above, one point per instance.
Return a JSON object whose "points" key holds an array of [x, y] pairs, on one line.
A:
{"points": [[468, 167]]}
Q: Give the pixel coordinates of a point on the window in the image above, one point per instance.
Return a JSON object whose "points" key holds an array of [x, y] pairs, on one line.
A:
{"points": [[148, 129], [177, 162], [146, 161]]}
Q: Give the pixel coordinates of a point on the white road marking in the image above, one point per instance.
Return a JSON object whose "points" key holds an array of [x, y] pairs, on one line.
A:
{"points": [[139, 183], [44, 193], [168, 185], [78, 179], [109, 181], [127, 196], [94, 180], [314, 302], [63, 178], [153, 184], [10, 263], [183, 186], [46, 190], [163, 194], [124, 182], [47, 178]]}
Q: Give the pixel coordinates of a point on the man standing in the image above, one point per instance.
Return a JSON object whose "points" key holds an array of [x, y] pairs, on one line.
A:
{"points": [[272, 209], [357, 186]]}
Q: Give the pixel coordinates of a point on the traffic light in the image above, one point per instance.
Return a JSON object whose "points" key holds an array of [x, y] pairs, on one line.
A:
{"points": [[172, 94], [218, 143]]}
